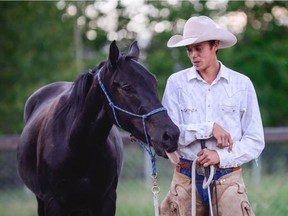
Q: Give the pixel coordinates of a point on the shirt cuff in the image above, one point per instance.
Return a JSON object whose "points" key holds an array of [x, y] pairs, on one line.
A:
{"points": [[226, 159], [205, 131]]}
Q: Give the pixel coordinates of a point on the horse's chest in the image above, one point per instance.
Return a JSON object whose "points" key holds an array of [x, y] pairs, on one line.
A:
{"points": [[84, 178], [83, 186]]}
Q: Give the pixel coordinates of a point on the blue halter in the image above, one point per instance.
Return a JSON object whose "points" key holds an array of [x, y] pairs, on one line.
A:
{"points": [[143, 117]]}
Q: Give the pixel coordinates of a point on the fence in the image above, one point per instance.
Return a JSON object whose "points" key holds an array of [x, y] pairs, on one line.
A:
{"points": [[135, 176]]}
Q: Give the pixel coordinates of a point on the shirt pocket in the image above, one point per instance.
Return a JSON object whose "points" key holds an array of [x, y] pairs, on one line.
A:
{"points": [[189, 114], [229, 116]]}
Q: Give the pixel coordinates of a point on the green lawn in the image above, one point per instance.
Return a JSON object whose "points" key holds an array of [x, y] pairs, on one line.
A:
{"points": [[269, 197], [17, 203]]}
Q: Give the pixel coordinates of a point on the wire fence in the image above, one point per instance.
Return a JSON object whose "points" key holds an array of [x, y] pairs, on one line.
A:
{"points": [[134, 189]]}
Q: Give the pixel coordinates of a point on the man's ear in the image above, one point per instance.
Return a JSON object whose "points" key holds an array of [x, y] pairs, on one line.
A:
{"points": [[216, 45]]}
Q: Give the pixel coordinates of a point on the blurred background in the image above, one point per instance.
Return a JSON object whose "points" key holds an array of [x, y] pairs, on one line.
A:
{"points": [[44, 42]]}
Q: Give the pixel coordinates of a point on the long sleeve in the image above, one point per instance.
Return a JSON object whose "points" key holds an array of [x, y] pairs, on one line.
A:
{"points": [[251, 143]]}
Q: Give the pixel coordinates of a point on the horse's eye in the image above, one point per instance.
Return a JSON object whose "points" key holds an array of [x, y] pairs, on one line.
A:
{"points": [[126, 87]]}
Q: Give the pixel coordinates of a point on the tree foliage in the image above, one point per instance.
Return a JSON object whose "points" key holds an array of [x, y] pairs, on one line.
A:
{"points": [[39, 45], [34, 44]]}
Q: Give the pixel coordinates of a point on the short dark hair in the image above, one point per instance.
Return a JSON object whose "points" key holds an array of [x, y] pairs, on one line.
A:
{"points": [[212, 43]]}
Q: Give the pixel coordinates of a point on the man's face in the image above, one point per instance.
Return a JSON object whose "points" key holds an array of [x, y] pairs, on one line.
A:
{"points": [[202, 55]]}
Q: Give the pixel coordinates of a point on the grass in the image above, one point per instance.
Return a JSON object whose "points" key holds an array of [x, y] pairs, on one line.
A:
{"points": [[269, 197], [17, 203]]}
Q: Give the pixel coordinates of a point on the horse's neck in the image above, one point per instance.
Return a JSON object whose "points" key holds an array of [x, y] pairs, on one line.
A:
{"points": [[93, 123]]}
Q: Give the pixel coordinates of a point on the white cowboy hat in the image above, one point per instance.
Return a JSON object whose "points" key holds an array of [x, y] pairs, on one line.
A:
{"points": [[200, 29]]}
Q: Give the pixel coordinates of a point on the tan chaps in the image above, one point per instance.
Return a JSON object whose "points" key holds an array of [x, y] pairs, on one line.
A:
{"points": [[232, 197]]}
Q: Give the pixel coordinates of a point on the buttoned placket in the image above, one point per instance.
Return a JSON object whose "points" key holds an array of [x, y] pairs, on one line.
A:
{"points": [[209, 99]]}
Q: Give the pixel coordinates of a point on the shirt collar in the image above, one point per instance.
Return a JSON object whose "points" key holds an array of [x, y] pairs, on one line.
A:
{"points": [[223, 73]]}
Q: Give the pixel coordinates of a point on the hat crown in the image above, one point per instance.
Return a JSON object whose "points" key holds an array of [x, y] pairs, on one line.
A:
{"points": [[196, 26], [199, 29]]}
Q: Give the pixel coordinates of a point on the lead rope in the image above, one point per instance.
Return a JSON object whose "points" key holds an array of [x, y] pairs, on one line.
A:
{"points": [[155, 188], [155, 191], [205, 185]]}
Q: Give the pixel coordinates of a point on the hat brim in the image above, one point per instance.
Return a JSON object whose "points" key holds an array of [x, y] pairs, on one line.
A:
{"points": [[226, 39], [178, 41]]}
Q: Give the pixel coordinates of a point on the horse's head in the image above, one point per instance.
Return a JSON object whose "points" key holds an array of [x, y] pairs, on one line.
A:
{"points": [[132, 102]]}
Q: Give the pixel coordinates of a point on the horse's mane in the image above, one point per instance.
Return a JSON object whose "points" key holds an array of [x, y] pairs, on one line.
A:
{"points": [[80, 88]]}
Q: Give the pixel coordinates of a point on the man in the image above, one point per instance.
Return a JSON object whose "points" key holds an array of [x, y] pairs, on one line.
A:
{"points": [[213, 103]]}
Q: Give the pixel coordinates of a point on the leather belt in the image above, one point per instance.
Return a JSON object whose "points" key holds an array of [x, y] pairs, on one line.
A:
{"points": [[187, 164]]}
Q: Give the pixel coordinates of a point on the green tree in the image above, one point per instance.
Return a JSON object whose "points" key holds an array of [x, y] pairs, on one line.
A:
{"points": [[35, 49]]}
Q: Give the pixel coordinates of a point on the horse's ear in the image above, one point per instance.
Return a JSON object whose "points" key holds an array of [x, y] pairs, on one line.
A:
{"points": [[134, 50], [113, 54]]}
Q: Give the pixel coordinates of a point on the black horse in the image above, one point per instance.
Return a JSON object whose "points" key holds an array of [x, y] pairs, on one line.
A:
{"points": [[70, 154]]}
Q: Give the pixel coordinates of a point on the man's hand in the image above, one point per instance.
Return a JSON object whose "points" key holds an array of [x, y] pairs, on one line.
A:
{"points": [[207, 157], [222, 136]]}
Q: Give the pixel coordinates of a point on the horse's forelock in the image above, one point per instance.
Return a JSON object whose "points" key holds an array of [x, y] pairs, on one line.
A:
{"points": [[130, 57], [100, 65]]}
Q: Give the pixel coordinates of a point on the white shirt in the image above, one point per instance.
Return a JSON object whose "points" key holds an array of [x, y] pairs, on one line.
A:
{"points": [[230, 101]]}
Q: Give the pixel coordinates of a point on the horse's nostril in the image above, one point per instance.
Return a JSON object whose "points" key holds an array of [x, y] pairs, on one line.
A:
{"points": [[170, 136], [166, 136]]}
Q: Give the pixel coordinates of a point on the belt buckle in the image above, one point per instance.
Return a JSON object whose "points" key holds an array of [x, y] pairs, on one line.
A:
{"points": [[200, 169]]}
